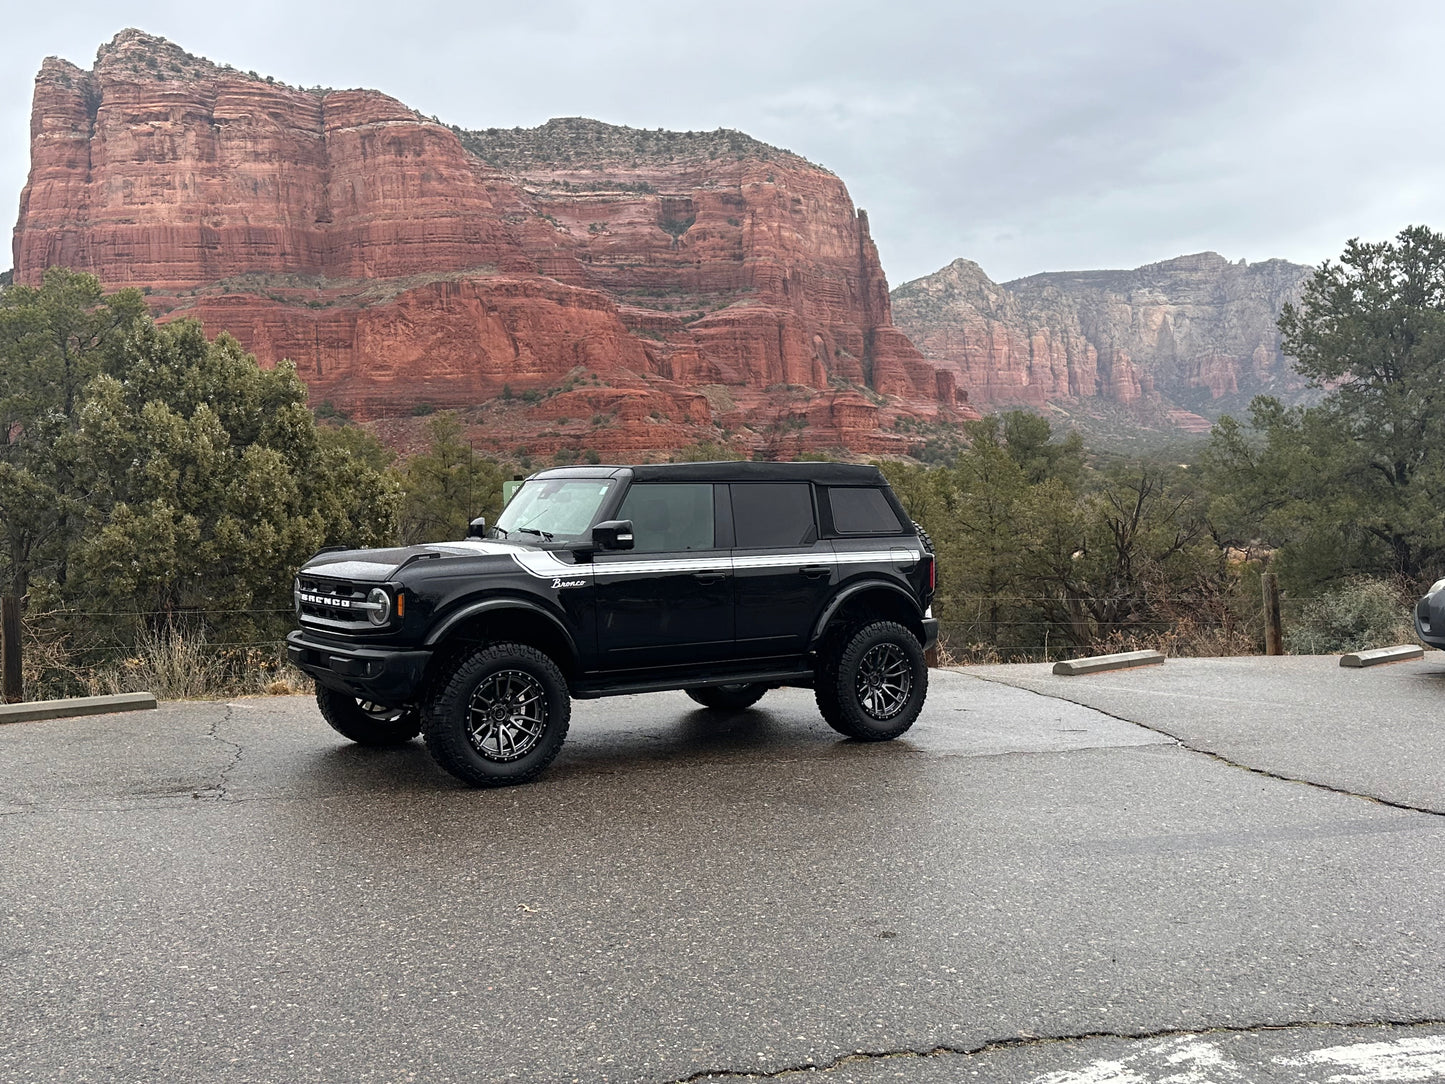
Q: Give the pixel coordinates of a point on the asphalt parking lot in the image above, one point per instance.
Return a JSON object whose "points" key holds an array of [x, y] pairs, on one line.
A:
{"points": [[1213, 870]]}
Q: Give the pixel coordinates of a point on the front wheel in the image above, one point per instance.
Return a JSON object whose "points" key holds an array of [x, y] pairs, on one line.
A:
{"points": [[874, 687], [364, 722], [729, 697], [499, 716]]}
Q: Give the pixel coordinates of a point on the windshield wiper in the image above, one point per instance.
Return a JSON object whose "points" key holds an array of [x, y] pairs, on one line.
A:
{"points": [[545, 536], [502, 531]]}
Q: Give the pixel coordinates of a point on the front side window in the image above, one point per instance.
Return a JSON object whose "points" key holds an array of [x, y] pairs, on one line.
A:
{"points": [[549, 508], [669, 517]]}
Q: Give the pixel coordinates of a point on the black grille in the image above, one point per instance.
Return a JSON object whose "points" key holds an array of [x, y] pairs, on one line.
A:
{"points": [[334, 603]]}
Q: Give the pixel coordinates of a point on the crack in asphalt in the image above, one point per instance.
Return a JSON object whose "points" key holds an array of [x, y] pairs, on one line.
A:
{"points": [[1023, 1041], [216, 792], [1266, 772]]}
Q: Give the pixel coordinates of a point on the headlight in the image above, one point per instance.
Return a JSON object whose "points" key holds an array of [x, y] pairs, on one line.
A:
{"points": [[1436, 586], [378, 606], [296, 595]]}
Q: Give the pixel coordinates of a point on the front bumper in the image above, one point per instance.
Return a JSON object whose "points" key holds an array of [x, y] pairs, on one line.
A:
{"points": [[383, 675], [1430, 619]]}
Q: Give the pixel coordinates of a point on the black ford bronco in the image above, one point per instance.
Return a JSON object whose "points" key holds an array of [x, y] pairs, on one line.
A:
{"points": [[723, 580]]}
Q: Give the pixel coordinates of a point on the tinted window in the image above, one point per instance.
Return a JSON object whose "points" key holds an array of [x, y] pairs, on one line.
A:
{"points": [[669, 517], [773, 514], [862, 511]]}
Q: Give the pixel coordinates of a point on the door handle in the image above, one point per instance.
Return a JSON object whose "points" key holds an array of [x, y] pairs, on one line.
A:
{"points": [[709, 577], [814, 571]]}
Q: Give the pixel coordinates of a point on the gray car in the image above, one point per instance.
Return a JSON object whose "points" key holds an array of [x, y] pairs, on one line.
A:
{"points": [[1430, 616]]}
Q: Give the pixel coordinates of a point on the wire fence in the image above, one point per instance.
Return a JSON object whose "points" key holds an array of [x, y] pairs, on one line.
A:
{"points": [[1006, 627], [175, 653], [200, 621], [73, 650]]}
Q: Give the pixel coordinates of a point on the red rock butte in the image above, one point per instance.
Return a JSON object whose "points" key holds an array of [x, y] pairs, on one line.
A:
{"points": [[1176, 342], [577, 285]]}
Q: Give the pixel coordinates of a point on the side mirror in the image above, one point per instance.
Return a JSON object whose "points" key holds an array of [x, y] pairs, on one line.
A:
{"points": [[477, 528], [613, 534]]}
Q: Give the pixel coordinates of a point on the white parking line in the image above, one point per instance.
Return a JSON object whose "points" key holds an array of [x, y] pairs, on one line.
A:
{"points": [[1195, 1060], [1421, 1058]]}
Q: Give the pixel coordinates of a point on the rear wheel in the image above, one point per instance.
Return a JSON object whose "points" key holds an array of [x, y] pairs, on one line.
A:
{"points": [[873, 688], [498, 716], [365, 722], [729, 697]]}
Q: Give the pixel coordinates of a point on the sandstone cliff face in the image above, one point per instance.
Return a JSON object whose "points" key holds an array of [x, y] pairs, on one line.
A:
{"points": [[1197, 332], [403, 264]]}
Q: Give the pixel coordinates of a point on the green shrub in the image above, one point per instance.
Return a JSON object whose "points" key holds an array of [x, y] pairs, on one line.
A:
{"points": [[1355, 616]]}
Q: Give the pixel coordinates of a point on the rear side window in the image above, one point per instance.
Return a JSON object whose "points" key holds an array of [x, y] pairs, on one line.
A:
{"points": [[858, 510], [773, 514], [669, 517]]}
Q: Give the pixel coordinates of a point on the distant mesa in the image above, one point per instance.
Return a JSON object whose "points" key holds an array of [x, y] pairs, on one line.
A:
{"points": [[1180, 341], [574, 286]]}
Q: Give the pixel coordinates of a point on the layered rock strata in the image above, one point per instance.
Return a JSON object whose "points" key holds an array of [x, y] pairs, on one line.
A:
{"points": [[1188, 337], [404, 265]]}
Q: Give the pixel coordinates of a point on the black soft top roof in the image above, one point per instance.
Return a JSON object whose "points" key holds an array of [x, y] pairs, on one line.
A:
{"points": [[832, 473]]}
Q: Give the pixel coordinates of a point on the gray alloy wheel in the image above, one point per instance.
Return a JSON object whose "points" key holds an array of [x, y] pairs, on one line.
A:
{"points": [[884, 681], [366, 722], [507, 715], [498, 715]]}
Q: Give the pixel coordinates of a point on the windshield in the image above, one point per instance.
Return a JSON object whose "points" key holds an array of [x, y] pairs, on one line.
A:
{"points": [[552, 508]]}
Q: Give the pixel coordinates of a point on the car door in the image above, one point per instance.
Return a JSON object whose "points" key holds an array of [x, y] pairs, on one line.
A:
{"points": [[668, 601], [783, 572]]}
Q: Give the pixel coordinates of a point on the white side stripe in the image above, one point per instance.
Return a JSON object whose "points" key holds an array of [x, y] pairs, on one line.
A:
{"points": [[768, 560], [544, 564]]}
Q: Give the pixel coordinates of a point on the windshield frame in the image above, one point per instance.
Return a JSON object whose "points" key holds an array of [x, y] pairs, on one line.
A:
{"points": [[522, 513]]}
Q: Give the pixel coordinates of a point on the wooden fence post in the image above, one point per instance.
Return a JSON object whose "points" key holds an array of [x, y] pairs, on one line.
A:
{"points": [[12, 683], [1273, 626]]}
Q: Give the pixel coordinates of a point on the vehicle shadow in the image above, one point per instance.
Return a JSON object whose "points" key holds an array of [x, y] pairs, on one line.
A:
{"points": [[603, 742]]}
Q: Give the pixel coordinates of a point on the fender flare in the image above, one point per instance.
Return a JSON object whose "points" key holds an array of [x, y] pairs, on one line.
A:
{"points": [[511, 602], [837, 601]]}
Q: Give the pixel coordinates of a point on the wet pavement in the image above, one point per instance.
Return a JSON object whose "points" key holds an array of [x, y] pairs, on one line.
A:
{"points": [[1021, 889]]}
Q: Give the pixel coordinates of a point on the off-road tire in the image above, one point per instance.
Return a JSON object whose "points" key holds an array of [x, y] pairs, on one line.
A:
{"points": [[364, 722], [498, 715], [873, 688], [923, 536], [729, 697]]}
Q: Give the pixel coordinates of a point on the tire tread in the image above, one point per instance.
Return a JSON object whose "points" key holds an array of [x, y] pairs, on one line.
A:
{"points": [[447, 742], [834, 688], [344, 715]]}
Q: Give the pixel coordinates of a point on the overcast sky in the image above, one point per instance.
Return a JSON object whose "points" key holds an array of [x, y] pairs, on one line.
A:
{"points": [[1028, 136]]}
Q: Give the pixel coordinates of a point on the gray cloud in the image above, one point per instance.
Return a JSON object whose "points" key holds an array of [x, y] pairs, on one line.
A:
{"points": [[1056, 135]]}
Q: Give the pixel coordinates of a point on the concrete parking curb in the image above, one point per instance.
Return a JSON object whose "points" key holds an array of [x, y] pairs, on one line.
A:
{"points": [[1121, 661], [77, 705], [1382, 654]]}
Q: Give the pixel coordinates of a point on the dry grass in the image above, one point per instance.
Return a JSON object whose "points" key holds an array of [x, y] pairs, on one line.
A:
{"points": [[180, 666], [1186, 637], [172, 664]]}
